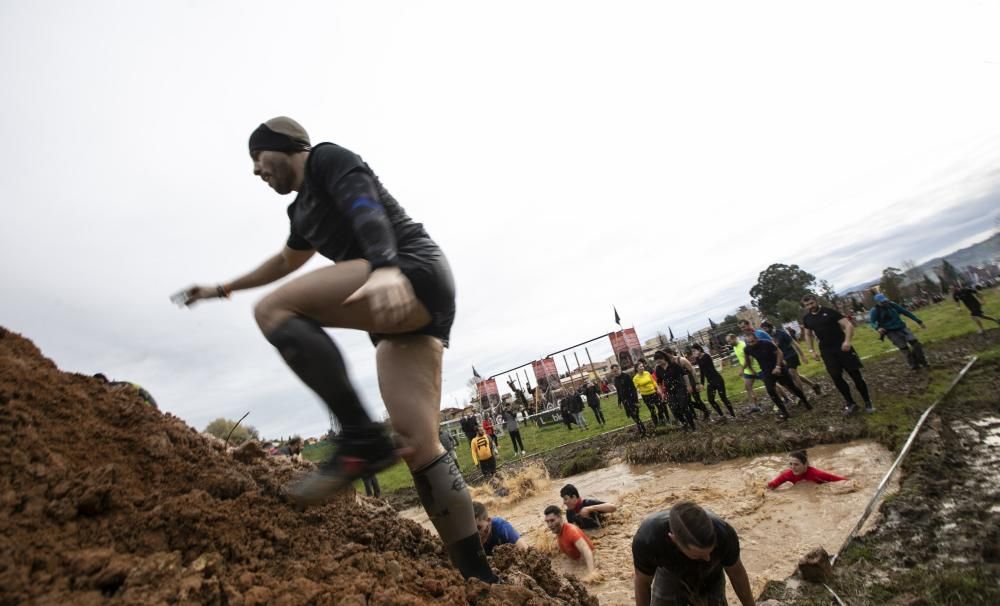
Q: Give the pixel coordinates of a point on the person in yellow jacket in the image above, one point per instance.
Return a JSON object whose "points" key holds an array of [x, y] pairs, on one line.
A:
{"points": [[749, 374], [645, 384], [482, 453]]}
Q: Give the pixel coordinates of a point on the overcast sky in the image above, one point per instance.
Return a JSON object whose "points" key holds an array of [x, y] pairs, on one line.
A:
{"points": [[567, 156]]}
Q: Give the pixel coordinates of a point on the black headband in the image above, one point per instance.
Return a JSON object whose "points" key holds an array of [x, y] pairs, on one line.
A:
{"points": [[265, 139]]}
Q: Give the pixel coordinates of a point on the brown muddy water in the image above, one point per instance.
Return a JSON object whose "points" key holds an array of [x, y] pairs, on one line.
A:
{"points": [[775, 527]]}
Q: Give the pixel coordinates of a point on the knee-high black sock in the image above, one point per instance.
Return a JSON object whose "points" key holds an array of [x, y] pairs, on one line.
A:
{"points": [[314, 357], [859, 383], [843, 388], [444, 496]]}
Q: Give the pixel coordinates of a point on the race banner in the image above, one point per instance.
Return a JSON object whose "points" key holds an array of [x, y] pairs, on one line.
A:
{"points": [[489, 396], [546, 374], [625, 344]]}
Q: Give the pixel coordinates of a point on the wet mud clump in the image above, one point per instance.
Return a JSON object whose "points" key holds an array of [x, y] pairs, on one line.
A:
{"points": [[106, 500]]}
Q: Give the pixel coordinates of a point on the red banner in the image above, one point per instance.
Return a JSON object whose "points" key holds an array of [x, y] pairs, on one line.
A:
{"points": [[546, 374], [489, 396], [627, 348]]}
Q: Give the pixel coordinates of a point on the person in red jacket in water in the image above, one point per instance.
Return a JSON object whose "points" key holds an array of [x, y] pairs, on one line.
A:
{"points": [[799, 470]]}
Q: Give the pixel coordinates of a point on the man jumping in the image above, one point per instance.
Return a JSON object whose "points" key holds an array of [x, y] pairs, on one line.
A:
{"points": [[391, 280]]}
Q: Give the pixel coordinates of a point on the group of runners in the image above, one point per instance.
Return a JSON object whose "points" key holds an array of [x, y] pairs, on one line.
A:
{"points": [[392, 281]]}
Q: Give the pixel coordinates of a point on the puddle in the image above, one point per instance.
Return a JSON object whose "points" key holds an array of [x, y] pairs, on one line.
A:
{"points": [[776, 527]]}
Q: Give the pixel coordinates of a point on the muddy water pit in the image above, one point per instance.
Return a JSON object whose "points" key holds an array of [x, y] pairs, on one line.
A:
{"points": [[776, 527]]}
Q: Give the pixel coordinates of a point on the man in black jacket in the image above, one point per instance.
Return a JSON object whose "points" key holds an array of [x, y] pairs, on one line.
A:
{"points": [[628, 397], [594, 401]]}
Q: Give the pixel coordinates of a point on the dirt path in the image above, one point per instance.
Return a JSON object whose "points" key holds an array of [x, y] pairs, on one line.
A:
{"points": [[776, 528]]}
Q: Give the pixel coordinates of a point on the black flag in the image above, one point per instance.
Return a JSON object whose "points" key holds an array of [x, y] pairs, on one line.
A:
{"points": [[618, 319], [475, 373], [712, 324], [671, 331]]}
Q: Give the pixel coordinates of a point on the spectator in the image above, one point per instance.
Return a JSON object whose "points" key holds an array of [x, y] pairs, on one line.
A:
{"points": [[488, 428], [468, 425], [594, 401], [566, 408], [510, 420], [576, 401], [448, 441], [482, 454]]}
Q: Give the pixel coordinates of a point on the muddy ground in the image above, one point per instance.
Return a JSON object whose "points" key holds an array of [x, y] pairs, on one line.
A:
{"points": [[888, 378], [939, 541], [106, 500], [803, 516]]}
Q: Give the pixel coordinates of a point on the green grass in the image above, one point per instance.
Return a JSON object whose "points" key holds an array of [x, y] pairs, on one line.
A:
{"points": [[943, 321]]}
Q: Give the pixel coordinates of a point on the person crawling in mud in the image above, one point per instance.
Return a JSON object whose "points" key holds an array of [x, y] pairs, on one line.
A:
{"points": [[572, 541], [679, 558], [128, 387], [799, 470], [495, 531], [292, 449], [389, 279], [584, 513]]}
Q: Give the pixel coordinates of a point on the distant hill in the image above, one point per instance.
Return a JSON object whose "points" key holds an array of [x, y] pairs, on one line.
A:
{"points": [[970, 255]]}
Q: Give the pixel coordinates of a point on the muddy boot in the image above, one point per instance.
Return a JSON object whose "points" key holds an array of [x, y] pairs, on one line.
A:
{"points": [[817, 389], [850, 409], [357, 452]]}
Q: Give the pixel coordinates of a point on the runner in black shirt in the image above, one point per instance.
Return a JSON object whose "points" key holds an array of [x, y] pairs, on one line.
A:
{"points": [[973, 302], [774, 370], [676, 384], [712, 379], [390, 280], [834, 332], [694, 397], [628, 397], [791, 350], [680, 555]]}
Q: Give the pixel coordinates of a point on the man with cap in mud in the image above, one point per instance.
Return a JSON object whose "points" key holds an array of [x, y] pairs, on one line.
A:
{"points": [[680, 556], [391, 280]]}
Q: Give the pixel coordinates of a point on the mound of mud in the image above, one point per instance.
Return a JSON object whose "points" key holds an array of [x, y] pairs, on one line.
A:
{"points": [[104, 499]]}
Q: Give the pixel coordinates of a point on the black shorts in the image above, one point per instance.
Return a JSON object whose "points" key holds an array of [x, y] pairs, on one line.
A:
{"points": [[793, 361], [428, 271], [837, 361]]}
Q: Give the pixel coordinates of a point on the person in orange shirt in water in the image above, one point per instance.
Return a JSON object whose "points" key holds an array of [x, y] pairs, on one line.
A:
{"points": [[572, 541]]}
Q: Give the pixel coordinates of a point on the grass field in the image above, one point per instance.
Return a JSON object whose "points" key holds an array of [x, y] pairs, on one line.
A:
{"points": [[943, 322]]}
